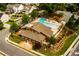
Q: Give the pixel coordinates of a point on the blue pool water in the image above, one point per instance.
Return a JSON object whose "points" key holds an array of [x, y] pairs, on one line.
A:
{"points": [[50, 25], [42, 20]]}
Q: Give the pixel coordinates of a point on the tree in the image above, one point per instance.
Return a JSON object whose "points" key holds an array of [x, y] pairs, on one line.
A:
{"points": [[52, 7], [52, 40], [46, 14], [34, 14], [1, 25], [48, 7], [71, 22], [25, 19], [72, 7], [14, 28], [76, 24], [43, 13], [3, 6]]}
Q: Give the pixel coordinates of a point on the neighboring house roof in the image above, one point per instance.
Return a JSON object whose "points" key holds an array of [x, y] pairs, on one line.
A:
{"points": [[32, 35], [10, 6], [66, 16], [32, 8], [17, 5], [9, 11], [42, 29], [5, 18], [21, 7], [28, 8]]}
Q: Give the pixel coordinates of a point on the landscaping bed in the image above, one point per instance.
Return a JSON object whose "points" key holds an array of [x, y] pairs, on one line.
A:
{"points": [[16, 39], [67, 44]]}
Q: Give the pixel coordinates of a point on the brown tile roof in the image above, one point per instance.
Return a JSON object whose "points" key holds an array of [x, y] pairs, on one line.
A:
{"points": [[32, 35], [42, 29]]}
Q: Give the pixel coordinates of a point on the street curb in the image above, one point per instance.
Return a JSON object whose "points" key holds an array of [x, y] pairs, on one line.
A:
{"points": [[68, 50], [3, 54], [74, 48], [31, 51]]}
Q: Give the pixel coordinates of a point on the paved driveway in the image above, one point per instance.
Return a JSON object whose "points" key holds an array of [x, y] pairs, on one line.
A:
{"points": [[8, 48]]}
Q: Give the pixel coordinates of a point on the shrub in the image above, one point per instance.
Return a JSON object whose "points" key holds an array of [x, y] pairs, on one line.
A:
{"points": [[1, 25], [14, 28], [25, 19]]}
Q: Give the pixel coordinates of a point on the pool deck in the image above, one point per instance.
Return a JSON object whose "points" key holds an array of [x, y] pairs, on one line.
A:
{"points": [[52, 22], [36, 20]]}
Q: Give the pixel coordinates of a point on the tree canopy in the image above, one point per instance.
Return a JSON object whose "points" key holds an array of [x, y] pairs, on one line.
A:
{"points": [[52, 40], [52, 7], [14, 28], [1, 25], [25, 19], [3, 6], [34, 13], [76, 24], [71, 22]]}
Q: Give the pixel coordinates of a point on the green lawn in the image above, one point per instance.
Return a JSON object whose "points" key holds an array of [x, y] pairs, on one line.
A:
{"points": [[10, 22], [67, 44], [15, 39]]}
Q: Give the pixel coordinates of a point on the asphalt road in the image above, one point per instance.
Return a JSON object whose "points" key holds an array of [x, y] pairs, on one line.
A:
{"points": [[76, 51], [8, 48]]}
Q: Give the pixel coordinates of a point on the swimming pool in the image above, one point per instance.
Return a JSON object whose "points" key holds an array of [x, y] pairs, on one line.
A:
{"points": [[50, 25]]}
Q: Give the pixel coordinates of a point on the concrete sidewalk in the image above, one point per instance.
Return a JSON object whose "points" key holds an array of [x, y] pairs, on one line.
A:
{"points": [[30, 51]]}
